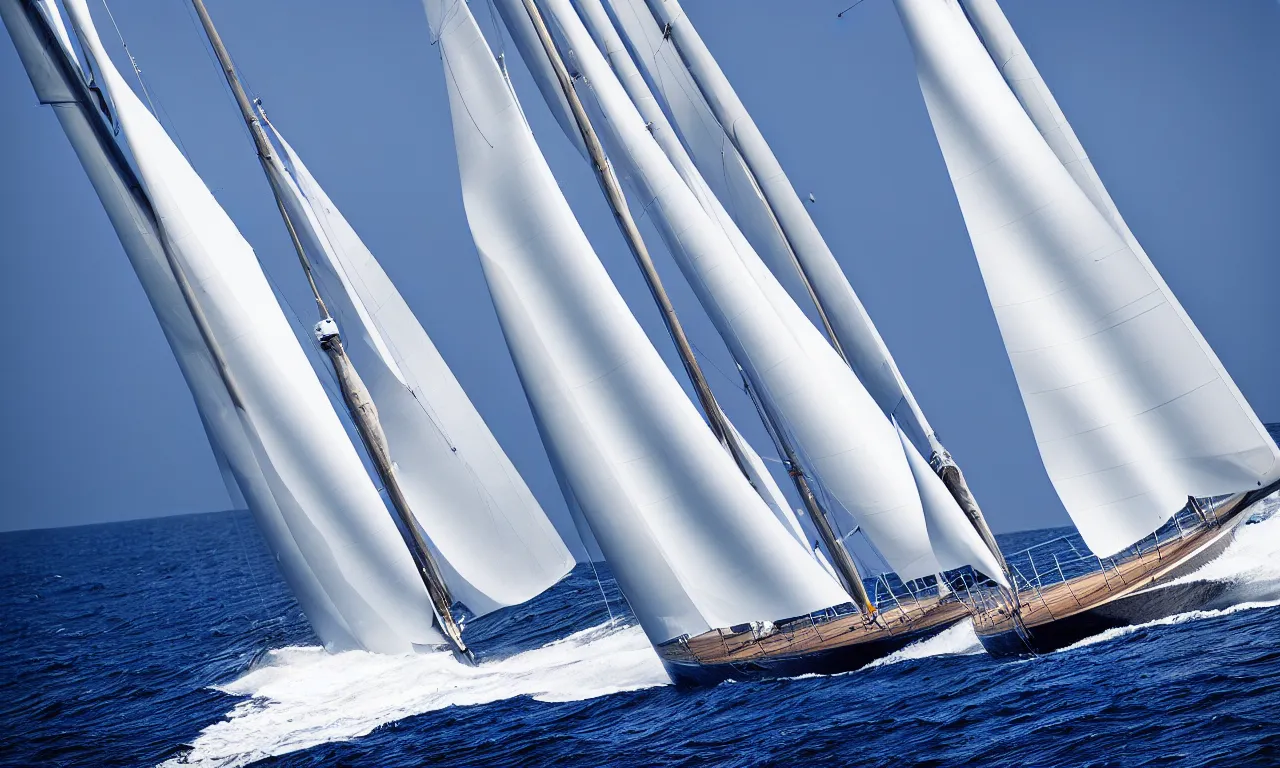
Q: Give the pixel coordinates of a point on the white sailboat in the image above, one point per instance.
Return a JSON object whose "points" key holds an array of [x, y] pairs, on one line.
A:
{"points": [[1132, 411], [284, 451]]}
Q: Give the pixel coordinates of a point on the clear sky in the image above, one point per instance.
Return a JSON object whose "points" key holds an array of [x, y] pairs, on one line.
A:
{"points": [[1177, 101]]}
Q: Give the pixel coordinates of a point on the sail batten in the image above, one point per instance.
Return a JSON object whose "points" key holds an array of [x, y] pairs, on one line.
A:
{"points": [[691, 544], [1131, 409]]}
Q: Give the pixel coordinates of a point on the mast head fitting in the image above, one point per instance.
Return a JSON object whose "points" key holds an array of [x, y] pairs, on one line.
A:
{"points": [[326, 329]]}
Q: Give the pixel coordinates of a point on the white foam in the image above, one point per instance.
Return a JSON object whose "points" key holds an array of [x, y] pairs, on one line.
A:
{"points": [[1252, 560], [958, 640], [302, 697]]}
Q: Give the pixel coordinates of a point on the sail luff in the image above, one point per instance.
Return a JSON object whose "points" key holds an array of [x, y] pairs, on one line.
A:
{"points": [[692, 545], [1024, 79], [631, 233], [1131, 410]]}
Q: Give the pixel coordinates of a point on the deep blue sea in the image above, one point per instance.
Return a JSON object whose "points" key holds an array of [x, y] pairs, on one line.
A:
{"points": [[174, 642]]}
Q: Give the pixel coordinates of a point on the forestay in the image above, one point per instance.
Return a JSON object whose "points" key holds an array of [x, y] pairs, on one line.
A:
{"points": [[358, 574], [492, 540], [1131, 409], [847, 444], [692, 545]]}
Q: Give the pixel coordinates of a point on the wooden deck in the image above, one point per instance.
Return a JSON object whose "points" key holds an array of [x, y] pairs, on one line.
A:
{"points": [[1057, 601], [803, 636]]}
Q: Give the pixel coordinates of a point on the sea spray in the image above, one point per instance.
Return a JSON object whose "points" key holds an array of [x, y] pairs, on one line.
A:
{"points": [[300, 697], [958, 640]]}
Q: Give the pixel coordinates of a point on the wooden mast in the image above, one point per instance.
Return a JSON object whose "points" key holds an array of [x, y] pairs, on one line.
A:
{"points": [[622, 214], [941, 461], [841, 560], [354, 393]]}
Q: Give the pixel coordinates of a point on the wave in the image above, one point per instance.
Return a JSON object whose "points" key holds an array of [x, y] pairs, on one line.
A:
{"points": [[959, 640], [300, 697]]}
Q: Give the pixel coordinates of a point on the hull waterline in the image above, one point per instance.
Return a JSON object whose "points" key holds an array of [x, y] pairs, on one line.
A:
{"points": [[805, 646], [1136, 590]]}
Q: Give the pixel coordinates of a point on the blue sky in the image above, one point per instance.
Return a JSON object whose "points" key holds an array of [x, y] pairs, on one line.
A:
{"points": [[1176, 101]]}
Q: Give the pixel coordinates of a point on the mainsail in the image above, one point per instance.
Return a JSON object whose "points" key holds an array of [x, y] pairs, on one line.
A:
{"points": [[692, 545], [267, 413], [492, 540], [1131, 409], [844, 439]]}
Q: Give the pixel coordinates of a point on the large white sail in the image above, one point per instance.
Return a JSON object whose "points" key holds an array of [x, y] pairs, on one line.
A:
{"points": [[492, 540], [1131, 409], [692, 545], [326, 501], [847, 443], [1022, 77], [59, 83], [756, 190]]}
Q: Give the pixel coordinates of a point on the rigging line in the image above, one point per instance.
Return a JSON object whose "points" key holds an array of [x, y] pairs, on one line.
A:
{"points": [[600, 584], [132, 61], [157, 106], [737, 384], [850, 8]]}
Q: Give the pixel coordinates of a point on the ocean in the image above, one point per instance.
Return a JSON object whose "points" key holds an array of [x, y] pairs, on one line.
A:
{"points": [[174, 642]]}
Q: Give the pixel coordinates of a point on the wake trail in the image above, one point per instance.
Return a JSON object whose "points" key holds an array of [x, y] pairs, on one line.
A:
{"points": [[301, 697]]}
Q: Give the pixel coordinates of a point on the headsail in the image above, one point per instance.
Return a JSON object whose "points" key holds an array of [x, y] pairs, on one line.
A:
{"points": [[493, 542], [1131, 409], [352, 574], [691, 543]]}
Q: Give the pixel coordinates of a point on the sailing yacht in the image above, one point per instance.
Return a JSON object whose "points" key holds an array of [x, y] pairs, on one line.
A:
{"points": [[1150, 445], [717, 583], [281, 446]]}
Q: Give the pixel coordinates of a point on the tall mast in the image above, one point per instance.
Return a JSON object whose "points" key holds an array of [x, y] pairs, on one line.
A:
{"points": [[840, 557], [622, 214], [354, 393], [941, 461]]}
